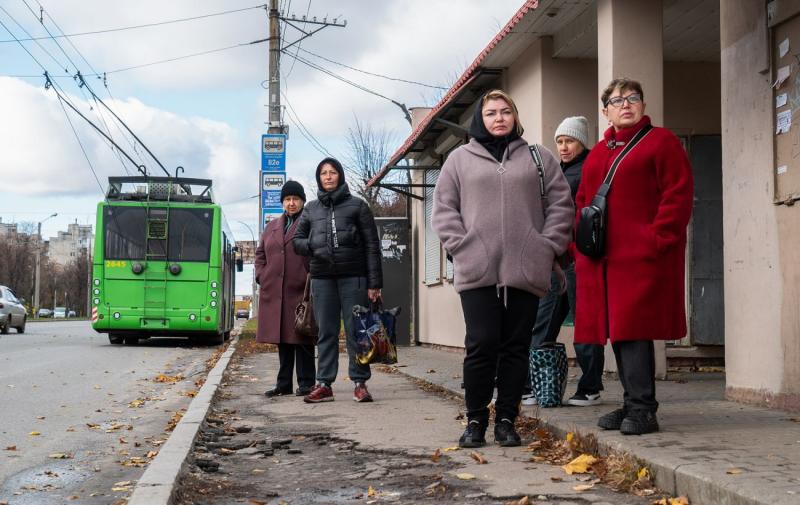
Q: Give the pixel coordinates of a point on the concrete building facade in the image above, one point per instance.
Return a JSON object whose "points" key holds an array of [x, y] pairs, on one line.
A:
{"points": [[68, 245], [706, 68]]}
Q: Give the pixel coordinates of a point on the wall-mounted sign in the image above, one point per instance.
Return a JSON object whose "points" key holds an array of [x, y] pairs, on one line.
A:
{"points": [[271, 200], [272, 180], [268, 215]]}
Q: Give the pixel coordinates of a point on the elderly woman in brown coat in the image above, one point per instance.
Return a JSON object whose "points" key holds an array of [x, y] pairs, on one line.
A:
{"points": [[281, 274]]}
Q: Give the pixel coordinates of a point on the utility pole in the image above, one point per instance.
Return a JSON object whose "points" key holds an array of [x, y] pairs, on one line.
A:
{"points": [[38, 265], [275, 125]]}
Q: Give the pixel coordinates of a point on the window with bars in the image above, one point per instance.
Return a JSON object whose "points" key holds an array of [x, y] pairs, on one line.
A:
{"points": [[433, 248]]}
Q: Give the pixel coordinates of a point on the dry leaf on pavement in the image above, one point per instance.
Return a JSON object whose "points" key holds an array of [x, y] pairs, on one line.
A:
{"points": [[59, 455], [34, 433], [478, 457], [734, 471], [11, 448], [581, 464], [522, 501], [448, 449], [436, 455], [465, 476]]}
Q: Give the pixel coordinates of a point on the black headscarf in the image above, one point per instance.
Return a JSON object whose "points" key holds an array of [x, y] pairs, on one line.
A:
{"points": [[495, 145], [336, 165]]}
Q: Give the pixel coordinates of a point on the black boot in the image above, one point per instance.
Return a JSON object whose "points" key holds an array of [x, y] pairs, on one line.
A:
{"points": [[612, 420], [639, 422], [276, 391], [505, 434], [474, 435]]}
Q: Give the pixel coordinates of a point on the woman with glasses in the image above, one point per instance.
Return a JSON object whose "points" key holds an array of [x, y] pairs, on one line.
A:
{"points": [[489, 215], [634, 294]]}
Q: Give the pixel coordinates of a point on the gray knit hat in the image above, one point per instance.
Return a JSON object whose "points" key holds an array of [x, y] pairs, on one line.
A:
{"points": [[576, 127]]}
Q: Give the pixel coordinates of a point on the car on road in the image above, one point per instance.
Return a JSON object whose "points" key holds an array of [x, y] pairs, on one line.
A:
{"points": [[12, 311], [44, 313], [60, 313], [72, 313], [242, 314]]}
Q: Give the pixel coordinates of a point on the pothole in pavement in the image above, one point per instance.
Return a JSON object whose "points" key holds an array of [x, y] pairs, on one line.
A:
{"points": [[271, 467]]}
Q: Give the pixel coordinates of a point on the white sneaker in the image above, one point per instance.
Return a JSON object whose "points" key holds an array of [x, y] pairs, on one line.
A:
{"points": [[529, 399], [585, 399]]}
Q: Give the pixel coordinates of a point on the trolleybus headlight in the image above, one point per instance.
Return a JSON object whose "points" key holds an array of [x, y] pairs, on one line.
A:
{"points": [[96, 301], [192, 317], [137, 268], [174, 269], [213, 294], [97, 282], [213, 303], [96, 291], [117, 315], [214, 284]]}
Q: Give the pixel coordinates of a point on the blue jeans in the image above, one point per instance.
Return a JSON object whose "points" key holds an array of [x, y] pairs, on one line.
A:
{"points": [[333, 302], [553, 310]]}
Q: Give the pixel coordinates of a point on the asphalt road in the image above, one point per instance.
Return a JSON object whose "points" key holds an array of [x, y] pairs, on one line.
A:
{"points": [[78, 416]]}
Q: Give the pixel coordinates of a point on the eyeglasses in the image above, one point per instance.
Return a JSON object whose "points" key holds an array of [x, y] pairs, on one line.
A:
{"points": [[618, 101]]}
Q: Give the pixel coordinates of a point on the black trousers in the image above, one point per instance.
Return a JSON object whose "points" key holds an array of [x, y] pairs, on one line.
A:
{"points": [[303, 356], [498, 336], [636, 364]]}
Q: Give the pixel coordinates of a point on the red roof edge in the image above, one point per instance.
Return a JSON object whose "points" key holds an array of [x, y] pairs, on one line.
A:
{"points": [[461, 82]]}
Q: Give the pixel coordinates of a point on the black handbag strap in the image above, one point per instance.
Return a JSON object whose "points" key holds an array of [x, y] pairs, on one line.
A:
{"points": [[307, 289], [537, 160], [606, 186]]}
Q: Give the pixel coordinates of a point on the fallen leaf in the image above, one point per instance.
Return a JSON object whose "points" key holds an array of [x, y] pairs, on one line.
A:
{"points": [[59, 455], [41, 418], [122, 440], [168, 379], [34, 433], [92, 426], [450, 449], [478, 457], [431, 370], [581, 464], [74, 497], [570, 436], [734, 471], [643, 473], [256, 502], [557, 479], [151, 454], [583, 487], [136, 403], [522, 501], [465, 476], [70, 429], [258, 470], [11, 448], [123, 483], [370, 492], [436, 455]]}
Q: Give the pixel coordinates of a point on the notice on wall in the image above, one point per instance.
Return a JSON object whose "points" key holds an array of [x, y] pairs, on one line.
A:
{"points": [[783, 48], [784, 122], [783, 74], [782, 169], [781, 100]]}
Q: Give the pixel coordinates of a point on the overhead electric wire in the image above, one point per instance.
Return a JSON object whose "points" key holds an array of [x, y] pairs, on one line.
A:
{"points": [[83, 149], [134, 27], [398, 79], [105, 82], [308, 9], [347, 81], [60, 65], [316, 144]]}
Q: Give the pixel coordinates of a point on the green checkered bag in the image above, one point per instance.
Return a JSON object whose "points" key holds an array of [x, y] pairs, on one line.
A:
{"points": [[548, 365]]}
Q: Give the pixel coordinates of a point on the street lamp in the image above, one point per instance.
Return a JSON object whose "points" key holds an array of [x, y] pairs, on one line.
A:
{"points": [[38, 264], [254, 297]]}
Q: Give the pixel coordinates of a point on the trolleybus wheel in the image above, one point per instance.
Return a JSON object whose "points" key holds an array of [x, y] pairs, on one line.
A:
{"points": [[215, 339], [114, 338], [131, 340], [226, 335]]}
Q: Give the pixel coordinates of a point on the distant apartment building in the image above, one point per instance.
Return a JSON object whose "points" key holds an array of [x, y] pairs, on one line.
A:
{"points": [[7, 228], [69, 244]]}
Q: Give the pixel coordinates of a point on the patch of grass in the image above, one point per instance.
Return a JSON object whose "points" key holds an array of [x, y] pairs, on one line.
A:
{"points": [[247, 340]]}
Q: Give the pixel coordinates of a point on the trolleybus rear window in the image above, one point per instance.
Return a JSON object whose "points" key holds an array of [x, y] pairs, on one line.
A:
{"points": [[190, 234], [125, 233]]}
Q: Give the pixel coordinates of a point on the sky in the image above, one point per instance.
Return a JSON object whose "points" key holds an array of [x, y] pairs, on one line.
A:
{"points": [[207, 113]]}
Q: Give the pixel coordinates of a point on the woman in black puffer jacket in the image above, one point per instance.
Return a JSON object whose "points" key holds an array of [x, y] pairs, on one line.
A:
{"points": [[338, 232]]}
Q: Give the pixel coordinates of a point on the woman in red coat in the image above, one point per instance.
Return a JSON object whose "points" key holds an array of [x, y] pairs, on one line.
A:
{"points": [[281, 274], [635, 293]]}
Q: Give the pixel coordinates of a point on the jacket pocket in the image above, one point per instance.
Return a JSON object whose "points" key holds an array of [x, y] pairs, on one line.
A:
{"points": [[536, 260], [470, 260]]}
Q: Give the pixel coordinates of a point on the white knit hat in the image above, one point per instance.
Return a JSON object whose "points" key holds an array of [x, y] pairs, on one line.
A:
{"points": [[576, 127]]}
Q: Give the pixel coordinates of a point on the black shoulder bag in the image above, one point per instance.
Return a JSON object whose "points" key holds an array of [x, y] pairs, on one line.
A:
{"points": [[590, 235]]}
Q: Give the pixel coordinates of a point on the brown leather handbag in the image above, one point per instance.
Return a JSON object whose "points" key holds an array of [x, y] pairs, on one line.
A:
{"points": [[304, 323]]}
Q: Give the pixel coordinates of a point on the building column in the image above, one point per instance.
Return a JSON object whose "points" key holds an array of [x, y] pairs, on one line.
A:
{"points": [[630, 44]]}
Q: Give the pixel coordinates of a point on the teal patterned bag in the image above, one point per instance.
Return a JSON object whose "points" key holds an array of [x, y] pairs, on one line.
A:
{"points": [[548, 365]]}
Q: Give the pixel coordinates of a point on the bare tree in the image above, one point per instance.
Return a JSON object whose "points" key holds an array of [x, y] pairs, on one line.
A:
{"points": [[369, 149]]}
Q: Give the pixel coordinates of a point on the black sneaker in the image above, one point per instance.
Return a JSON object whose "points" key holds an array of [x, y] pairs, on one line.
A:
{"points": [[505, 434], [639, 422], [474, 435], [583, 399], [612, 420], [276, 391]]}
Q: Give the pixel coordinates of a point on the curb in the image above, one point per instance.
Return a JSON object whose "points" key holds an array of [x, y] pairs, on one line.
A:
{"points": [[157, 484]]}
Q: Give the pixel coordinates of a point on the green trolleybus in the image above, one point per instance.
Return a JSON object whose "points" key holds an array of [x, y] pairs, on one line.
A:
{"points": [[164, 262]]}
